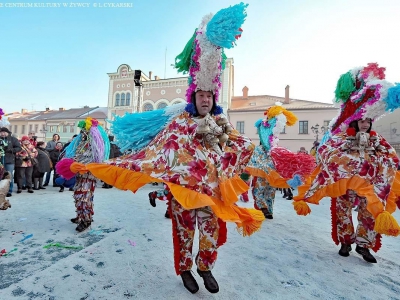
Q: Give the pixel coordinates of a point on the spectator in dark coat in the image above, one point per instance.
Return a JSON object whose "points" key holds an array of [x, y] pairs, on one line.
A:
{"points": [[8, 160], [55, 156], [44, 165], [50, 147]]}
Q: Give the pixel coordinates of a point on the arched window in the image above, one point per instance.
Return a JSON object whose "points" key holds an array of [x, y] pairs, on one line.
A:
{"points": [[177, 102], [117, 100], [128, 99], [148, 107], [161, 105], [123, 99]]}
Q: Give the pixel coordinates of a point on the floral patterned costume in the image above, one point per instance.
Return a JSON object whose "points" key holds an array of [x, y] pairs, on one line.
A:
{"points": [[263, 192], [204, 185], [347, 174]]}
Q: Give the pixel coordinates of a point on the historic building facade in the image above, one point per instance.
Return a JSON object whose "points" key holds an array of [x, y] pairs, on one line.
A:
{"points": [[313, 118], [63, 122], [125, 95]]}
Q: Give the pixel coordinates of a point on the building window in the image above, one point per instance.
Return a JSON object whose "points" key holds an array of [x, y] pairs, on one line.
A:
{"points": [[303, 127], [65, 129], [43, 126], [283, 130], [240, 126], [36, 127], [326, 123], [128, 99], [23, 129], [161, 105], [148, 107], [16, 128], [117, 100], [30, 127], [71, 128], [123, 99], [53, 128]]}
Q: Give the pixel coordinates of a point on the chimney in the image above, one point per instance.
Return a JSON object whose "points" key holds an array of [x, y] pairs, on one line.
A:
{"points": [[47, 108], [245, 91], [24, 111], [287, 100], [150, 73], [61, 109], [156, 77]]}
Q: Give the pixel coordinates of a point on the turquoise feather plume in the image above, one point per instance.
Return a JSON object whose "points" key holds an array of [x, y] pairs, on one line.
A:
{"points": [[225, 24], [393, 98], [134, 131]]}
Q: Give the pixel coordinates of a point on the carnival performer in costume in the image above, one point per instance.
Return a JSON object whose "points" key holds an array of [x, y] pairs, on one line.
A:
{"points": [[357, 164], [90, 145], [192, 149], [272, 166]]}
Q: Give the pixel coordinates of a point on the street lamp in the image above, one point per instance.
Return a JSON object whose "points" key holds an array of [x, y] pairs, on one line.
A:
{"points": [[317, 131]]}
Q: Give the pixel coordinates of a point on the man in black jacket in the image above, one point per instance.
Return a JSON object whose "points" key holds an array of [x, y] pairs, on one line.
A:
{"points": [[10, 146]]}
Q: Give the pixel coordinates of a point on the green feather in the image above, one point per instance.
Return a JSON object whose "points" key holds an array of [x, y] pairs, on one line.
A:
{"points": [[223, 59], [182, 61], [345, 86]]}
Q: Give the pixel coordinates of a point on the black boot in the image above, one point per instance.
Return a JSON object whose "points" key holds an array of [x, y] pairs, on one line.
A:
{"points": [[209, 281], [289, 195], [189, 282], [344, 250], [267, 214], [152, 199], [167, 214], [83, 226], [74, 220], [366, 254]]}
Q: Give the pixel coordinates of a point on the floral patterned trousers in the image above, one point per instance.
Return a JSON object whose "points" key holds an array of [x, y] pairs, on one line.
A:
{"points": [[83, 195], [183, 227], [263, 194], [365, 235]]}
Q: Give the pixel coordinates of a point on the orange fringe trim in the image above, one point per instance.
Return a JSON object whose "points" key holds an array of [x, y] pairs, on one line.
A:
{"points": [[385, 223], [273, 177], [125, 179]]}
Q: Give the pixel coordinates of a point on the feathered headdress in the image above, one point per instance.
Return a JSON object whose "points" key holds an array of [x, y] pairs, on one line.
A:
{"points": [[97, 140], [203, 57], [276, 118], [3, 120], [364, 93]]}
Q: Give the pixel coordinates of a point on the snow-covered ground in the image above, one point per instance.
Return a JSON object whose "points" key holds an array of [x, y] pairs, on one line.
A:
{"points": [[127, 254]]}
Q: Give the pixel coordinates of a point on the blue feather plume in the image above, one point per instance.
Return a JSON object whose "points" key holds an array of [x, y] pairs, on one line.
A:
{"points": [[393, 98], [134, 131], [258, 123], [225, 24], [295, 181], [265, 132], [71, 148]]}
